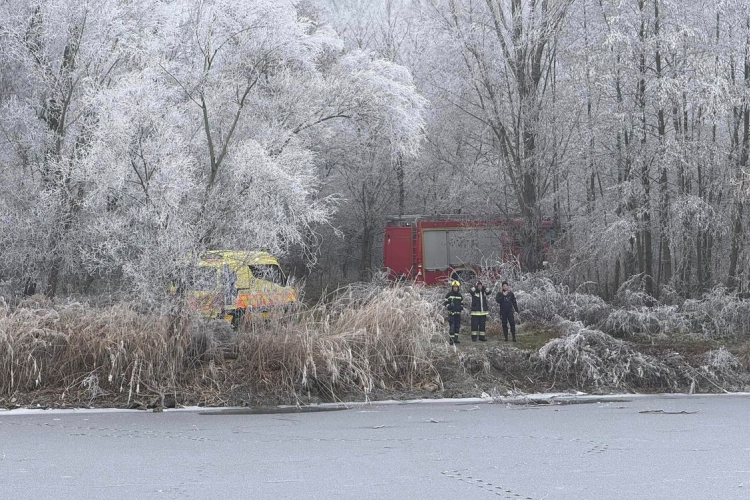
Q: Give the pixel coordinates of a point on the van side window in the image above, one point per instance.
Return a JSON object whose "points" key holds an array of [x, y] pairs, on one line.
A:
{"points": [[268, 272]]}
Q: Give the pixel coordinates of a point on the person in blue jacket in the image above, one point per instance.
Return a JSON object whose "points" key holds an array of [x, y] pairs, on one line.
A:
{"points": [[508, 307]]}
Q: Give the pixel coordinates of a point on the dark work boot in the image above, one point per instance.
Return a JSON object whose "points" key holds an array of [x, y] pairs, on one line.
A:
{"points": [[450, 340], [482, 337], [455, 339], [505, 338], [514, 338], [473, 337]]}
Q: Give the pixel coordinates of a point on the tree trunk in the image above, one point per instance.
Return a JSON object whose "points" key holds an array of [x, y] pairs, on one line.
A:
{"points": [[664, 274], [733, 278], [401, 186], [616, 284], [704, 241], [646, 257], [55, 117], [366, 256]]}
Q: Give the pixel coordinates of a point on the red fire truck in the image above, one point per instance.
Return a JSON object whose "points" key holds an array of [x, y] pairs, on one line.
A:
{"points": [[435, 249]]}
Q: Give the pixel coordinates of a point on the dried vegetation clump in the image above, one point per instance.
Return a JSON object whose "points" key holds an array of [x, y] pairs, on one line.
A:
{"points": [[588, 359], [647, 321], [74, 348], [357, 342], [743, 354], [362, 340], [717, 315], [550, 303], [722, 366]]}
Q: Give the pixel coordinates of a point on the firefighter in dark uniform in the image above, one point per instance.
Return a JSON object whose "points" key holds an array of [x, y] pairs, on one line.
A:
{"points": [[480, 308], [454, 302], [508, 306]]}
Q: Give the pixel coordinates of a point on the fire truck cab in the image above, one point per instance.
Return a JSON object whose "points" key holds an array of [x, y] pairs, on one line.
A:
{"points": [[435, 249]]}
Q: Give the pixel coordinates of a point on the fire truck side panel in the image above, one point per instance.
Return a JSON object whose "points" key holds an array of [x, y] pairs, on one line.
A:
{"points": [[429, 251], [398, 251], [449, 247]]}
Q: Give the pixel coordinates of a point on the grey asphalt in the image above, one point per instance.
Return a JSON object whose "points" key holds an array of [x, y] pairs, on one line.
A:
{"points": [[436, 451]]}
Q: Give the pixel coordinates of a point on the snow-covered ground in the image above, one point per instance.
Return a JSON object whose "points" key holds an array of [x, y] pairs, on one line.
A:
{"points": [[688, 447]]}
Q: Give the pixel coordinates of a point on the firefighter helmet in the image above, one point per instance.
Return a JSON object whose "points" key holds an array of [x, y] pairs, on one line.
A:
{"points": [[456, 283]]}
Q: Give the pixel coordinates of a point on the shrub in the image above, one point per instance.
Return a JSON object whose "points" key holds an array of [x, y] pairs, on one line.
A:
{"points": [[646, 321], [719, 314], [721, 366], [591, 358], [541, 300], [632, 293]]}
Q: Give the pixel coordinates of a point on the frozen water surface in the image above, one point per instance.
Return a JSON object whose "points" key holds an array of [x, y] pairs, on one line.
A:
{"points": [[443, 450]]}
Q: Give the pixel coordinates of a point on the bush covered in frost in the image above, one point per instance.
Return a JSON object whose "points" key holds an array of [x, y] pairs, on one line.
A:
{"points": [[541, 300], [719, 314], [721, 365], [586, 357], [591, 359], [666, 320]]}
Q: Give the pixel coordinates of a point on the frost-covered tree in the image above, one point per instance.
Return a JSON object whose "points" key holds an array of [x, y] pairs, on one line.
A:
{"points": [[505, 53], [57, 56], [373, 169], [137, 136]]}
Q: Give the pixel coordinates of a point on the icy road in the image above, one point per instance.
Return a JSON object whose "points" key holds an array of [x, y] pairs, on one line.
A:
{"points": [[683, 448]]}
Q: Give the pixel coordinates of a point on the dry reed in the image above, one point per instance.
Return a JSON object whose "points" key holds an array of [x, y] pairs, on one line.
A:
{"points": [[383, 339]]}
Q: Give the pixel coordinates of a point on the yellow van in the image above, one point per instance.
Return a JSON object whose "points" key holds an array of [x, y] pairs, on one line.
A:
{"points": [[232, 285]]}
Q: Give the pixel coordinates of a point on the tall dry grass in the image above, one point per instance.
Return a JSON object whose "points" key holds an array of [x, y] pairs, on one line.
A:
{"points": [[100, 351], [362, 340], [356, 342]]}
